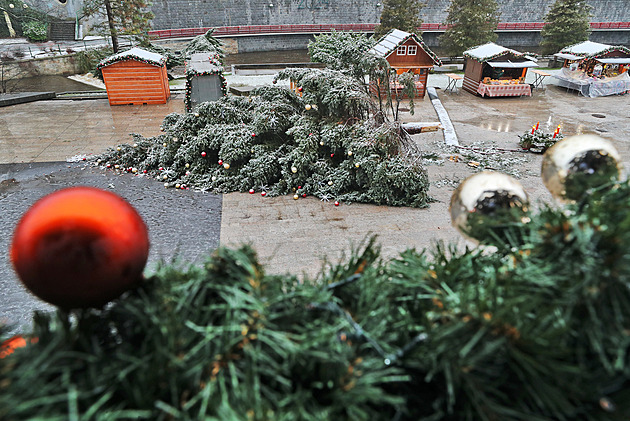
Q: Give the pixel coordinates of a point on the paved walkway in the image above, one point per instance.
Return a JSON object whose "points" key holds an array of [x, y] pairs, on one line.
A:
{"points": [[295, 235]]}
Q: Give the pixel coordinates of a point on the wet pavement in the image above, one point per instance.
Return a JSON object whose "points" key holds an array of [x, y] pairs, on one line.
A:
{"points": [[289, 235], [184, 226]]}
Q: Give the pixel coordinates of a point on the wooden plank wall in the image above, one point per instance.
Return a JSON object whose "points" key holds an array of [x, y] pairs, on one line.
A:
{"points": [[134, 82], [472, 76]]}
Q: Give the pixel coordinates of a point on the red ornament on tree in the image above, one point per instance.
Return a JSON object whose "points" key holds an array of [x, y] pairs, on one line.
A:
{"points": [[300, 89], [332, 155], [220, 162], [80, 247], [251, 191], [203, 154], [336, 203], [263, 194]]}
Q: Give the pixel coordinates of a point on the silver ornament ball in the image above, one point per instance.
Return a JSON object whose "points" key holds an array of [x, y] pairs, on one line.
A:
{"points": [[576, 164]]}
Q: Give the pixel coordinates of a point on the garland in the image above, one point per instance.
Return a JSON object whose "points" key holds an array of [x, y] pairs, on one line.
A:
{"points": [[502, 53], [124, 57], [191, 73], [598, 54], [421, 43], [619, 48]]}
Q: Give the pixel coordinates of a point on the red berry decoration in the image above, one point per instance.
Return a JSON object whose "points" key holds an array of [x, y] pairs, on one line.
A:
{"points": [[300, 89], [80, 247], [203, 154], [251, 191], [336, 203], [332, 155]]}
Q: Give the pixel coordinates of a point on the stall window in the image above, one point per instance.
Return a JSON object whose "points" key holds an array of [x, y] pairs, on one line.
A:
{"points": [[402, 50], [412, 50]]}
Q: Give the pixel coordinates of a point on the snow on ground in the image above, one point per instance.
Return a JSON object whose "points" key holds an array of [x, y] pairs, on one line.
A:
{"points": [[88, 79]]}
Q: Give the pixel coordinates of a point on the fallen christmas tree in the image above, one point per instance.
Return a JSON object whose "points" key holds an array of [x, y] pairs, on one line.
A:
{"points": [[330, 141], [536, 328]]}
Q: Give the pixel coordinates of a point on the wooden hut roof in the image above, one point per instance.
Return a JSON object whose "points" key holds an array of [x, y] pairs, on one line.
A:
{"points": [[489, 51], [394, 38], [590, 49], [137, 54]]}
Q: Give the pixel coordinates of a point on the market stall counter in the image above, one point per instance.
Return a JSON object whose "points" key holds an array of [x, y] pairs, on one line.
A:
{"points": [[496, 71]]}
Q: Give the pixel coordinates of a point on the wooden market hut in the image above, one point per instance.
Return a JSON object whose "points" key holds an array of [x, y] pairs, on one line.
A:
{"points": [[595, 69], [493, 70], [135, 76], [406, 52], [204, 79], [588, 54]]}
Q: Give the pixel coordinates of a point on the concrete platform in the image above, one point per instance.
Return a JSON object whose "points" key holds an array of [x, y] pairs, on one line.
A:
{"points": [[24, 97]]}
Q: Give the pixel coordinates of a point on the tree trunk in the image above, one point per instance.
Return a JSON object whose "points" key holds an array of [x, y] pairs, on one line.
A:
{"points": [[112, 28]]}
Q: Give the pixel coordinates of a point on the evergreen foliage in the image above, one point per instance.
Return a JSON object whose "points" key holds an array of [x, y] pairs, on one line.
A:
{"points": [[199, 44], [534, 329], [35, 30], [348, 52], [88, 60], [325, 143], [538, 141], [129, 17], [204, 43], [343, 51], [400, 14], [470, 23], [20, 14], [567, 24]]}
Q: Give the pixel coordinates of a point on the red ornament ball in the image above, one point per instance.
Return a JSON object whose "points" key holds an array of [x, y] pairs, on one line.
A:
{"points": [[203, 154], [80, 247], [263, 194], [303, 194], [300, 89], [251, 191], [220, 162], [332, 155], [336, 203]]}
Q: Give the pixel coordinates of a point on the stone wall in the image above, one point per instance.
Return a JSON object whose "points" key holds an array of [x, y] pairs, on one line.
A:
{"points": [[60, 65], [202, 13]]}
